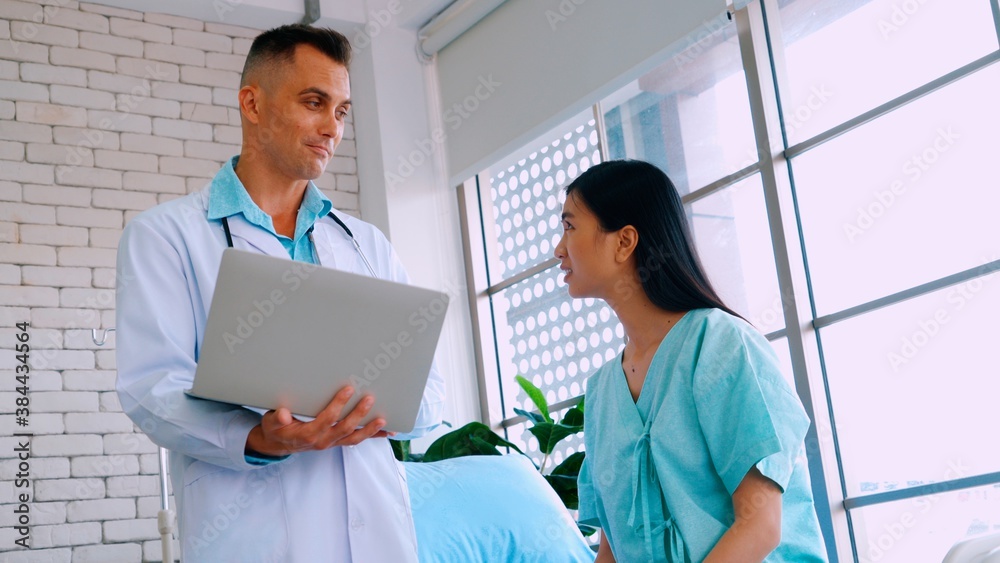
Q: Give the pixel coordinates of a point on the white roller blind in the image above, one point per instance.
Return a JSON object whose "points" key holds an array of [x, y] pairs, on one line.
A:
{"points": [[533, 63], [460, 17]]}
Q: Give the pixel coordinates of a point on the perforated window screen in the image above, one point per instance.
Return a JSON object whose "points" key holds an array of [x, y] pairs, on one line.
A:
{"points": [[528, 196], [551, 339], [542, 333]]}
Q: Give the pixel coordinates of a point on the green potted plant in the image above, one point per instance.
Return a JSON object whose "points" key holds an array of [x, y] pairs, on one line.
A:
{"points": [[475, 438]]}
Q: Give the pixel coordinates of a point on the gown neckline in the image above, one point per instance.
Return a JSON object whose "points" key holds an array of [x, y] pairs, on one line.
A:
{"points": [[625, 395]]}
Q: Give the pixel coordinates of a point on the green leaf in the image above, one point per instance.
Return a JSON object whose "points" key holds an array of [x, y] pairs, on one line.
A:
{"points": [[549, 434], [460, 442], [532, 416], [498, 441], [570, 466], [573, 417], [400, 449], [536, 396], [565, 487], [483, 447]]}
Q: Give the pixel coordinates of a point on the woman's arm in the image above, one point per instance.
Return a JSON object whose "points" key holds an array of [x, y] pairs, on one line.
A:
{"points": [[604, 554], [757, 530]]}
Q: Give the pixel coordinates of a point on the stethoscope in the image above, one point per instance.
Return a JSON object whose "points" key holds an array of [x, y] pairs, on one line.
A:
{"points": [[350, 235]]}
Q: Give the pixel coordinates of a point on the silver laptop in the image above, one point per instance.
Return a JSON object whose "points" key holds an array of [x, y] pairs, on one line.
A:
{"points": [[291, 334]]}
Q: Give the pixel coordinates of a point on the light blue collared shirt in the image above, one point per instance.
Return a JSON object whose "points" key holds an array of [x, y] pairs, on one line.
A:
{"points": [[228, 196]]}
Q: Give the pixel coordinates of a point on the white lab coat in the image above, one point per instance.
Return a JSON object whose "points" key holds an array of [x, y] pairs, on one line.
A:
{"points": [[342, 504]]}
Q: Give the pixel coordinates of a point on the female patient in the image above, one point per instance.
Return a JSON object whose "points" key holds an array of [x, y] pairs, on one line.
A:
{"points": [[694, 440]]}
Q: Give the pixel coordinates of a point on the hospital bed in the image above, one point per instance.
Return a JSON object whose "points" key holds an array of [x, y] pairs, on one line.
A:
{"points": [[495, 509]]}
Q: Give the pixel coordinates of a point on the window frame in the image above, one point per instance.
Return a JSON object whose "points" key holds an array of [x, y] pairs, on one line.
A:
{"points": [[763, 66]]}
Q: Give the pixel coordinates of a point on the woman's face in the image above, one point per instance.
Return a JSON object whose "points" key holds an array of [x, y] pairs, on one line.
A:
{"points": [[586, 253]]}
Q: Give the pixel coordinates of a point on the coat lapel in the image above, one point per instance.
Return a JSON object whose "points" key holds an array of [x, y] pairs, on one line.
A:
{"points": [[330, 253], [336, 250], [247, 236]]}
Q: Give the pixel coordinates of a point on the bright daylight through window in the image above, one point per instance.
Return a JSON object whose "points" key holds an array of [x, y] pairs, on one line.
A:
{"points": [[835, 160]]}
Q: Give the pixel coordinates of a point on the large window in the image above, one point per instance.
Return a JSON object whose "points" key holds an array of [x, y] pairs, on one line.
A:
{"points": [[835, 162], [890, 118], [539, 331]]}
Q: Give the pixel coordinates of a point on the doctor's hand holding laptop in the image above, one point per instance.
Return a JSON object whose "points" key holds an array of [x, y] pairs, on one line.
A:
{"points": [[287, 336]]}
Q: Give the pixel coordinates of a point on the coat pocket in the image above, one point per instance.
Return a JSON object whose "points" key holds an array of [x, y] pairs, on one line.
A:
{"points": [[228, 515]]}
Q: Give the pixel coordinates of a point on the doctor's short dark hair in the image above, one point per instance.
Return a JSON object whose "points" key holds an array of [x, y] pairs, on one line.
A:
{"points": [[278, 46]]}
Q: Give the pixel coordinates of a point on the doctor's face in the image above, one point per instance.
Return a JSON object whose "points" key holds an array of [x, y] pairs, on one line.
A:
{"points": [[301, 114]]}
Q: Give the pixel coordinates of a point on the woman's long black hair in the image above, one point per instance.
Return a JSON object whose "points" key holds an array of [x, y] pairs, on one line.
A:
{"points": [[637, 193]]}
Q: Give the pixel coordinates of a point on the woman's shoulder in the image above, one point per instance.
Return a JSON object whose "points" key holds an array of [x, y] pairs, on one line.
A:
{"points": [[717, 336], [717, 326], [726, 346], [717, 318]]}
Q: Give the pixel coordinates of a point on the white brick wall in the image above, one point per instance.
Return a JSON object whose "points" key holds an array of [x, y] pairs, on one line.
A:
{"points": [[104, 112], [108, 552], [44, 468], [99, 510]]}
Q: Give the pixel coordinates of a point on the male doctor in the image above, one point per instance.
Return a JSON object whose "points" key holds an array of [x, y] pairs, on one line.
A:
{"points": [[252, 487]]}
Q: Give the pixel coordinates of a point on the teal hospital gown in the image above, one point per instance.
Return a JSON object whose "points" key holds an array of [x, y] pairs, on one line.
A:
{"points": [[660, 472]]}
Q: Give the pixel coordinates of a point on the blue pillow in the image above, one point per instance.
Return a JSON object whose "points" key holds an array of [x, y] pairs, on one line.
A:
{"points": [[493, 509]]}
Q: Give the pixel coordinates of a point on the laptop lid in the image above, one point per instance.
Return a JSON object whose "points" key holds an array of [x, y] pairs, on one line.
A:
{"points": [[288, 333]]}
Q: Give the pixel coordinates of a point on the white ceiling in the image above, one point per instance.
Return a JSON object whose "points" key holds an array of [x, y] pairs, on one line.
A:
{"points": [[342, 15]]}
